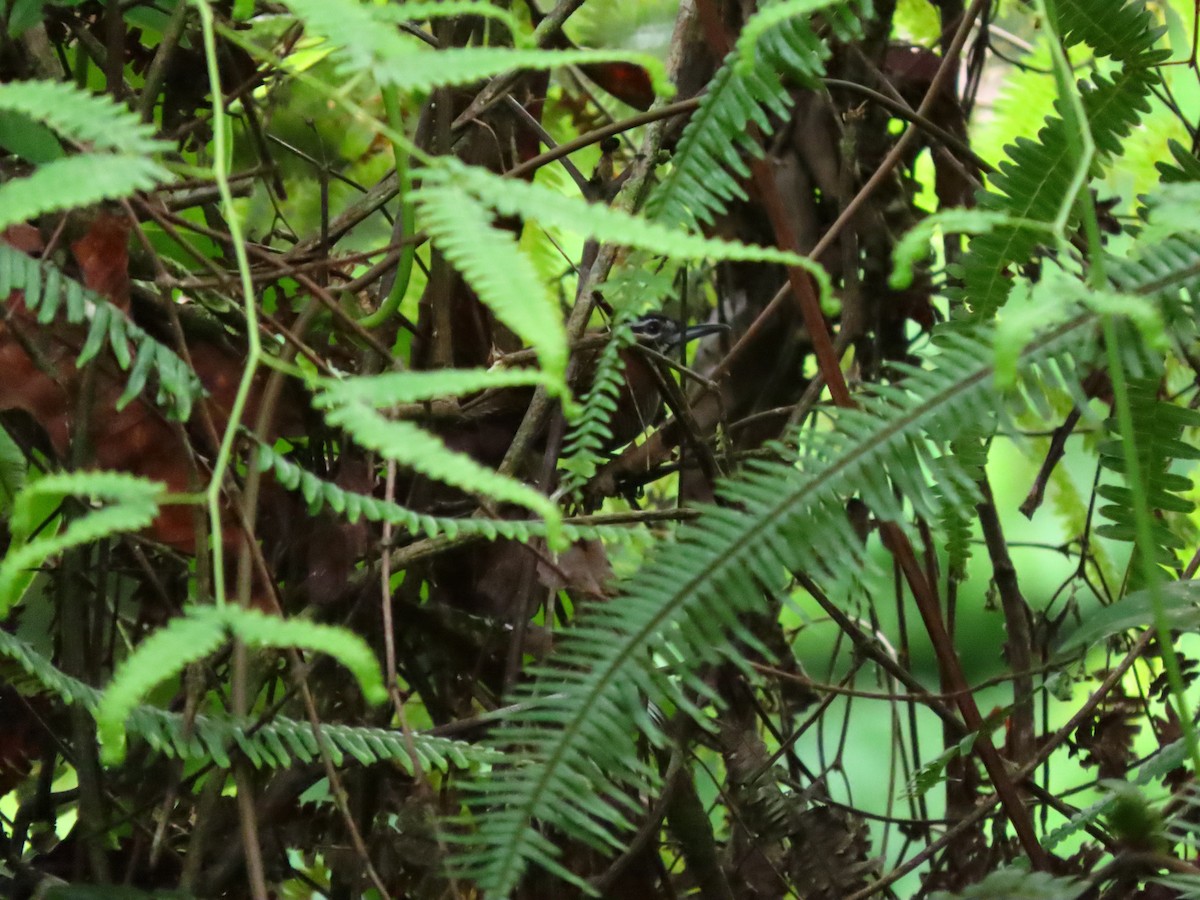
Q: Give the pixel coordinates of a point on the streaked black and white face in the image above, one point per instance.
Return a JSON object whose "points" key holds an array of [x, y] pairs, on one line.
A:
{"points": [[657, 330], [662, 332]]}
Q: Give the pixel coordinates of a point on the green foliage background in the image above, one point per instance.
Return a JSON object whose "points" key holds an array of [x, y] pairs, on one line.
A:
{"points": [[572, 754]]}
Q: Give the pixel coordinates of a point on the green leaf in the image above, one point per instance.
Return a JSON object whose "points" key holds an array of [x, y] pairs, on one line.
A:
{"points": [[368, 41], [411, 11], [743, 105], [48, 291], [82, 117], [130, 504], [1181, 607], [685, 607], [75, 181], [917, 243], [12, 470], [767, 18], [427, 68], [31, 140], [23, 15], [203, 738], [119, 161], [511, 197]]}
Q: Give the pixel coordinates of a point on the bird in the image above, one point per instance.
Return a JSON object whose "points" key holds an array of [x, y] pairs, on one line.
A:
{"points": [[662, 333], [640, 400]]}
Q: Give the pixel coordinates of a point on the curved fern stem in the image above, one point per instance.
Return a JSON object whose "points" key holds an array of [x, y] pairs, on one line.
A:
{"points": [[408, 219], [1078, 132], [1082, 143], [221, 150], [1145, 539]]}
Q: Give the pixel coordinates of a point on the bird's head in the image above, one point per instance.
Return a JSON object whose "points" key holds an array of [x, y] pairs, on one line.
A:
{"points": [[662, 333]]}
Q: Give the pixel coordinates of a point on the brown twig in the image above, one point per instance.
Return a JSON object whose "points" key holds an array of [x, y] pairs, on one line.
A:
{"points": [[1045, 749], [497, 89], [799, 279], [948, 662], [1019, 647], [255, 871], [599, 134]]}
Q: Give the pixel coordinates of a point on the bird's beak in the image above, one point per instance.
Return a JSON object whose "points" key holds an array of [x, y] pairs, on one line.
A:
{"points": [[693, 332]]}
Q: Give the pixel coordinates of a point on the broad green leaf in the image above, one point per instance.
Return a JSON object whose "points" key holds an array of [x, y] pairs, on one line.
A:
{"points": [[1181, 606]]}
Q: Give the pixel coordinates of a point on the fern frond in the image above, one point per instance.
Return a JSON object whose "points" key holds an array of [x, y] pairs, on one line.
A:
{"points": [[1163, 822], [1164, 263], [38, 674], [590, 427], [421, 451], [120, 162], [257, 629], [427, 69], [1179, 601], [1158, 428], [76, 181], [81, 117], [354, 506], [1121, 30], [1073, 510], [1168, 270], [13, 470], [396, 388], [280, 742], [629, 294], [511, 197], [131, 503], [1170, 757], [1186, 168], [367, 41], [1030, 185], [745, 94], [161, 656], [493, 264], [681, 611], [410, 11], [971, 450], [47, 291], [771, 16], [199, 632], [285, 742]]}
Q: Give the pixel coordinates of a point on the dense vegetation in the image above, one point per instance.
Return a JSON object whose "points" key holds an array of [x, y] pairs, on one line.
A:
{"points": [[365, 538]]}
